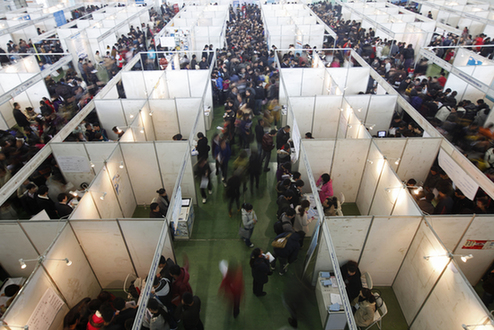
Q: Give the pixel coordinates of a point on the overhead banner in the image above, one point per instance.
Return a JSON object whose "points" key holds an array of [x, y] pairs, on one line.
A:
{"points": [[460, 178]]}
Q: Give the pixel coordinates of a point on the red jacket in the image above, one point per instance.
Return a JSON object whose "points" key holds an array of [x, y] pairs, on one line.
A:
{"points": [[180, 286]]}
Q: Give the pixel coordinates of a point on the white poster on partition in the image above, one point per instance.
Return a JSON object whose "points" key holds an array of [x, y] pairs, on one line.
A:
{"points": [[462, 180], [45, 312], [177, 207], [77, 164]]}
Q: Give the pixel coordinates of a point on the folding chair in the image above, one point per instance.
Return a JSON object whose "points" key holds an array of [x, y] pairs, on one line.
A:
{"points": [[381, 310], [367, 281]]}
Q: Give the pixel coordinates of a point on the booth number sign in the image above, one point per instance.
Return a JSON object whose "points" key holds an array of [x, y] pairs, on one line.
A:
{"points": [[472, 244]]}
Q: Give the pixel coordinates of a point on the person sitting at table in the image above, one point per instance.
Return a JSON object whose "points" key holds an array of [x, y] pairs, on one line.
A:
{"points": [[365, 307], [351, 276], [330, 205]]}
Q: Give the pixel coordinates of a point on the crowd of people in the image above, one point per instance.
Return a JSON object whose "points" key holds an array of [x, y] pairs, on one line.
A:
{"points": [[461, 121]]}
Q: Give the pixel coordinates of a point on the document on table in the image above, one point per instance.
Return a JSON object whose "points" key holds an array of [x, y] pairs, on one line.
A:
{"points": [[326, 282], [334, 284], [336, 299]]}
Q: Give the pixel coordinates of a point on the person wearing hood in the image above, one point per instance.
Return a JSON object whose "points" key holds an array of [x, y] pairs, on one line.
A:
{"points": [[365, 305], [180, 284], [249, 219]]}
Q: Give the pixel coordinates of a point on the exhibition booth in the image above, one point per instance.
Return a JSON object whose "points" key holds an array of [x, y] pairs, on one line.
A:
{"points": [[293, 24], [390, 23], [24, 83], [73, 266], [414, 259], [193, 27]]}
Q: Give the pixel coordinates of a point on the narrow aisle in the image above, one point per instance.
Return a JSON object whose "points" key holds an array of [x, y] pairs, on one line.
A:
{"points": [[215, 237]]}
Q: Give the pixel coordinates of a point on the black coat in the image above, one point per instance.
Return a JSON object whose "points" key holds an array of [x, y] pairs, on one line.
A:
{"points": [[291, 249], [281, 138], [63, 209], [202, 148], [30, 204], [20, 118], [49, 206], [260, 270]]}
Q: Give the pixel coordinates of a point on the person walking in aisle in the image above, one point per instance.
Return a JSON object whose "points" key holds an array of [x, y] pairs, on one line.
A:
{"points": [[233, 192], [204, 171], [267, 146], [249, 220], [260, 271]]}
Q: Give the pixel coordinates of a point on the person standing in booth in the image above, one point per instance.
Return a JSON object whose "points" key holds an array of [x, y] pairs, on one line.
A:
{"points": [[162, 201], [351, 275]]}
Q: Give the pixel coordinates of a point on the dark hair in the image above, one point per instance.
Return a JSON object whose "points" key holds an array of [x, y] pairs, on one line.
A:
{"points": [[175, 270], [187, 298], [153, 206], [247, 206], [352, 266], [288, 194], [62, 196], [106, 312], [153, 304], [162, 260], [42, 190], [412, 182], [299, 183], [11, 290], [290, 212], [325, 178], [286, 182], [94, 305], [367, 293], [30, 186], [119, 303], [200, 135], [254, 255], [161, 191]]}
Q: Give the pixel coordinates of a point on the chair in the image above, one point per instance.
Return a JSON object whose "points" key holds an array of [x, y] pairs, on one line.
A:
{"points": [[381, 311], [367, 281], [342, 198]]}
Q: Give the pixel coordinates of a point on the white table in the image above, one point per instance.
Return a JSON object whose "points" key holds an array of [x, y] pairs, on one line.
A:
{"points": [[331, 320]]}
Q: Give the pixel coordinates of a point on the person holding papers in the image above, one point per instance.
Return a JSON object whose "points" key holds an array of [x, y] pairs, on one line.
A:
{"points": [[365, 305]]}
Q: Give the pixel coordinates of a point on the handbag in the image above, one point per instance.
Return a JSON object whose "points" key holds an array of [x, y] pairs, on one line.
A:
{"points": [[280, 243], [244, 233]]}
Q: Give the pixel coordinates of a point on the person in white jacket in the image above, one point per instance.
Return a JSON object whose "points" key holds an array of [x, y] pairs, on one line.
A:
{"points": [[249, 219]]}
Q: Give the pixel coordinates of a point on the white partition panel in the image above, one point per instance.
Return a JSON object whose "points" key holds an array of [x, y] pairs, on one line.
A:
{"points": [[110, 113], [464, 305], [392, 149], [323, 260], [197, 79], [348, 235], [77, 153], [131, 110], [165, 118], [359, 102], [381, 110], [143, 169], [418, 157], [312, 81], [406, 205], [292, 79], [107, 208], [151, 77], [27, 300], [170, 167], [303, 109], [417, 275], [142, 237], [99, 152], [450, 229], [387, 192], [386, 246], [370, 177], [481, 228], [178, 83], [348, 166], [320, 156], [105, 249], [187, 111], [133, 81], [86, 209], [14, 246], [76, 281], [326, 115], [121, 184], [42, 233], [356, 81]]}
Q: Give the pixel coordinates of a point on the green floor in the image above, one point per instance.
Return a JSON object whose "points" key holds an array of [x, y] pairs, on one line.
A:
{"points": [[215, 237]]}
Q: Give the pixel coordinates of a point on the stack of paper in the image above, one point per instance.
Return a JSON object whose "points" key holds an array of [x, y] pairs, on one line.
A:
{"points": [[336, 298], [326, 282], [324, 275], [334, 307]]}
